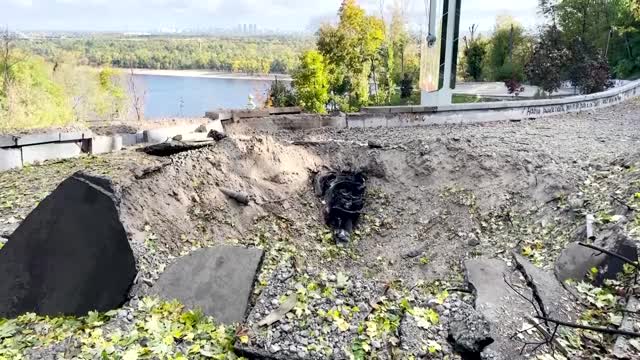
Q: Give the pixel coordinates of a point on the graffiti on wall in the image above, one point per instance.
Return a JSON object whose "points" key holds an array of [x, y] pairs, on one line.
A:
{"points": [[536, 111]]}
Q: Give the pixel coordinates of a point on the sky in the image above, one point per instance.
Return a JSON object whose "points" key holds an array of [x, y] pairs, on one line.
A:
{"points": [[284, 15]]}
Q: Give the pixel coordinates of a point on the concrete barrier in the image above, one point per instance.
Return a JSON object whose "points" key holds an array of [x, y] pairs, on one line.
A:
{"points": [[491, 111], [291, 122], [16, 151], [10, 159], [53, 151]]}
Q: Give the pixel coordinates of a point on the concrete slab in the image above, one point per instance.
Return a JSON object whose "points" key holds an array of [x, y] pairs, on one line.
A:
{"points": [[129, 139], [7, 141], [10, 159], [37, 139], [219, 281], [71, 136], [215, 125], [53, 151], [285, 110], [155, 136], [503, 307], [556, 302], [71, 255]]}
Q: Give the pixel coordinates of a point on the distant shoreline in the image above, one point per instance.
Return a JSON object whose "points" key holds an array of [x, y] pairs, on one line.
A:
{"points": [[211, 74]]}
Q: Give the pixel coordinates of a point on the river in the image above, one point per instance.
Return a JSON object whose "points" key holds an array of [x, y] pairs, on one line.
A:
{"points": [[189, 96]]}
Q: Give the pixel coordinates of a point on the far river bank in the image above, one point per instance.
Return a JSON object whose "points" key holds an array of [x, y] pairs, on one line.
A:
{"points": [[212, 74]]}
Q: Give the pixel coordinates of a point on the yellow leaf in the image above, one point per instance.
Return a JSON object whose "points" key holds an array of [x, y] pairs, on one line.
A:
{"points": [[131, 354], [244, 339]]}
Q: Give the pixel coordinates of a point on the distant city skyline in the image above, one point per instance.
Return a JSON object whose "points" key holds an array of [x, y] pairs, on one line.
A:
{"points": [[269, 15]]}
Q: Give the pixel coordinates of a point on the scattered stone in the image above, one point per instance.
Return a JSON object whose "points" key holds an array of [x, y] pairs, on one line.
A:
{"points": [[71, 255], [240, 197], [218, 280], [469, 331], [201, 129], [555, 301]]}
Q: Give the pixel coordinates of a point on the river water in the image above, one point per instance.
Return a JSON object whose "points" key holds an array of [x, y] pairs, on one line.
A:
{"points": [[182, 96]]}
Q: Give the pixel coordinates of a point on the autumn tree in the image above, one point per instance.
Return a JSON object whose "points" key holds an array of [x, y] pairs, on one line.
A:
{"points": [[546, 66], [352, 50], [311, 82]]}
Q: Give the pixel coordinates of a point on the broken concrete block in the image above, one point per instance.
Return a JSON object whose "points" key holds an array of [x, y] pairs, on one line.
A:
{"points": [[556, 302], [219, 281], [469, 331], [70, 256], [576, 261]]}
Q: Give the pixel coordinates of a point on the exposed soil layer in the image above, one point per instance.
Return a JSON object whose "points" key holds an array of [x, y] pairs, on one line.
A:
{"points": [[436, 196]]}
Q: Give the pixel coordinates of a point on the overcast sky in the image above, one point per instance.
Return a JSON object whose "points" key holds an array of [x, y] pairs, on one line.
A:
{"points": [[289, 15]]}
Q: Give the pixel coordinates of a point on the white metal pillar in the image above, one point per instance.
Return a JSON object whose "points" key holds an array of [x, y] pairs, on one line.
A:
{"points": [[448, 38]]}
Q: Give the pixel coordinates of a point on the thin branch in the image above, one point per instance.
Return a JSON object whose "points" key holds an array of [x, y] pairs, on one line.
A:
{"points": [[602, 330], [627, 260], [530, 301], [622, 202]]}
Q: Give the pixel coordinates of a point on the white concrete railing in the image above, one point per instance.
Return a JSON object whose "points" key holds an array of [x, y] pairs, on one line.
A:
{"points": [[392, 116]]}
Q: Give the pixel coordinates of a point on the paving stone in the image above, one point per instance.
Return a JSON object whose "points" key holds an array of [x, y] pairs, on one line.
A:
{"points": [[557, 302], [505, 310], [219, 281], [70, 255]]}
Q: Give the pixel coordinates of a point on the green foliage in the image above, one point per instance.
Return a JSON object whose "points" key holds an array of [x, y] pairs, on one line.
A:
{"points": [[311, 82], [113, 96], [604, 27], [277, 54], [474, 55], [281, 95], [159, 331], [507, 51], [352, 50], [32, 98]]}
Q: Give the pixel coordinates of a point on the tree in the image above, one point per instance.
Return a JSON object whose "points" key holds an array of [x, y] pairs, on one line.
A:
{"points": [[546, 66], [588, 69], [474, 54], [280, 95], [507, 52], [311, 83], [352, 52]]}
